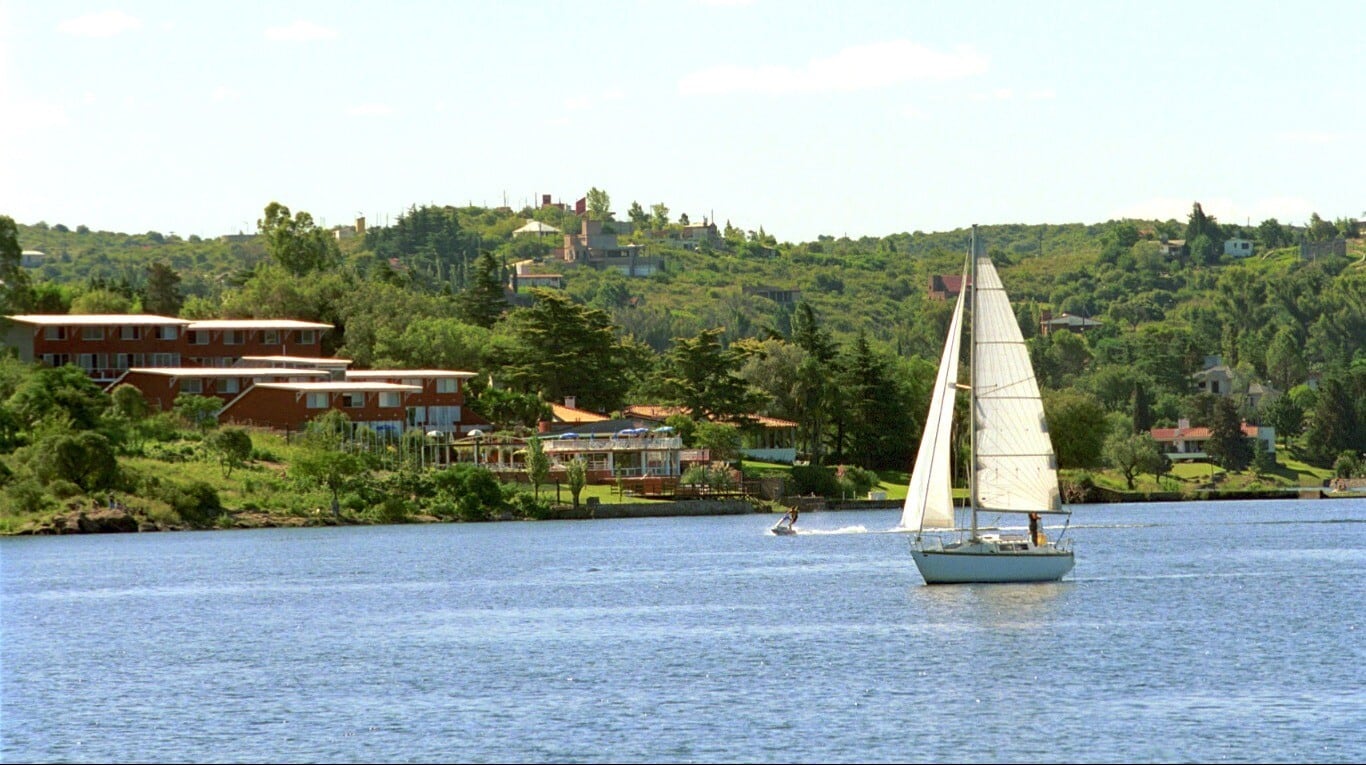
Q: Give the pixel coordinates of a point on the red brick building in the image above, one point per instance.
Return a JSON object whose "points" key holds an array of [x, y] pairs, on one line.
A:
{"points": [[268, 372], [379, 406], [107, 345], [161, 385]]}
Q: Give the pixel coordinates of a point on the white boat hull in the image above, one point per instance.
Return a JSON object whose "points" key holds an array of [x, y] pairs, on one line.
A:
{"points": [[987, 563]]}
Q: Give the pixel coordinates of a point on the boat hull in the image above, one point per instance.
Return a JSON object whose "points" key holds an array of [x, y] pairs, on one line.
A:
{"points": [[987, 564]]}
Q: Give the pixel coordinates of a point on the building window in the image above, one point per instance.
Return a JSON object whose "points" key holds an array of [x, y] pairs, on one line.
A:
{"points": [[192, 385], [229, 385], [92, 333], [389, 399], [412, 381], [317, 401], [233, 337], [353, 400], [447, 385], [307, 337], [270, 337], [54, 333], [443, 415], [166, 332], [164, 360], [199, 337], [130, 333], [86, 361]]}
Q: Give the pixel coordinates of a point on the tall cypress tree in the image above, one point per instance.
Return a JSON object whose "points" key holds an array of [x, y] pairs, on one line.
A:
{"points": [[483, 302]]}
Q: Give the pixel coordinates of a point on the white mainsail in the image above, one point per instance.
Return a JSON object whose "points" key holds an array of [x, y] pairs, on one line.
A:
{"points": [[1016, 469], [929, 497]]}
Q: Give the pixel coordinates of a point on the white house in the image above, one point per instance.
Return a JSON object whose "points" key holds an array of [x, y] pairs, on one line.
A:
{"points": [[1238, 248]]}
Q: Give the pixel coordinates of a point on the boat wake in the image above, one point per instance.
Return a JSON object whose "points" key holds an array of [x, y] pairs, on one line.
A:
{"points": [[829, 532]]}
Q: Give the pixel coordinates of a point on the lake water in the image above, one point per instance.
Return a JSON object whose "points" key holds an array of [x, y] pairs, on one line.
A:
{"points": [[1188, 632]]}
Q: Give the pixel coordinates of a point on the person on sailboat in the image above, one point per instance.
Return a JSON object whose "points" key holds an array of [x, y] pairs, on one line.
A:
{"points": [[1035, 534]]}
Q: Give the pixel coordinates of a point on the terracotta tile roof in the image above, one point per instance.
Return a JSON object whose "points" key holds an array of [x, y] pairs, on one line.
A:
{"points": [[564, 413]]}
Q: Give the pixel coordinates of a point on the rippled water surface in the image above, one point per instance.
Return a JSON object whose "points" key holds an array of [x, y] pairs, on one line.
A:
{"points": [[1211, 632]]}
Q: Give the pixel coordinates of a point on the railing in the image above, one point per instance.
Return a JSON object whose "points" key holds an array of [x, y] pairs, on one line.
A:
{"points": [[593, 444]]}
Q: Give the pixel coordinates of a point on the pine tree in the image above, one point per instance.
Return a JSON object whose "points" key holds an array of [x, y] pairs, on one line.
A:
{"points": [[483, 301]]}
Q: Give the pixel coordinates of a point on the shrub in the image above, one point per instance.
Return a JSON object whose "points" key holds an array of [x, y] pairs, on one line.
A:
{"points": [[391, 510], [814, 479], [27, 496], [63, 489], [526, 505]]}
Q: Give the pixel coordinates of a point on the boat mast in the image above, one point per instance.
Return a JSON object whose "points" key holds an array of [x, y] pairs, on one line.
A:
{"points": [[972, 387]]}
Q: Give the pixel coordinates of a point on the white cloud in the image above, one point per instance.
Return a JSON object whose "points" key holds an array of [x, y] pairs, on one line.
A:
{"points": [[370, 110], [300, 31], [107, 24], [225, 93], [863, 67]]}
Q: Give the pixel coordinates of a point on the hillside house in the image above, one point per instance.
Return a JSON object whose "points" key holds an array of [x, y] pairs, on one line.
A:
{"points": [[1173, 248], [945, 287], [597, 246], [1218, 378], [1184, 443], [1049, 323], [1238, 248], [779, 295]]}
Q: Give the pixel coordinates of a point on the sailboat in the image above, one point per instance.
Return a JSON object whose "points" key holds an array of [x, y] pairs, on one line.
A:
{"points": [[1012, 469]]}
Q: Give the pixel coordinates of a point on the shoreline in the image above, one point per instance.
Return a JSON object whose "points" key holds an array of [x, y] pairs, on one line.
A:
{"points": [[121, 519]]}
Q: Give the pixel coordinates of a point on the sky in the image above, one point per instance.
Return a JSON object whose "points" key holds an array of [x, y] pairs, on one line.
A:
{"points": [[803, 119]]}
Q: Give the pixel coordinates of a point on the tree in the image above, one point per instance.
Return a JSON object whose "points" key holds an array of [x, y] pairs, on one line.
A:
{"points": [[84, 458], [1333, 426], [162, 294], [638, 215], [101, 301], [599, 204], [563, 349], [576, 474], [198, 411], [722, 440], [1132, 454], [232, 447], [702, 377], [1284, 364], [815, 389], [537, 465], [335, 470], [15, 293], [659, 215], [65, 391], [298, 245], [483, 301], [1076, 426], [880, 422], [1283, 414], [1228, 445]]}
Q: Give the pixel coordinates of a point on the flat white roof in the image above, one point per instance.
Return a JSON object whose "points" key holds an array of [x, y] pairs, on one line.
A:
{"points": [[360, 374], [257, 324], [319, 387], [229, 371], [314, 360], [94, 319]]}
